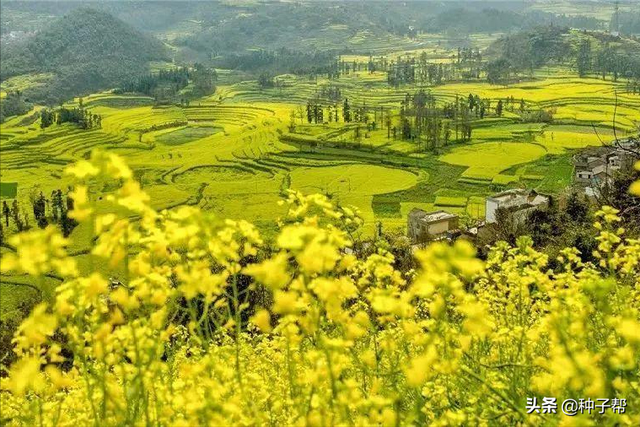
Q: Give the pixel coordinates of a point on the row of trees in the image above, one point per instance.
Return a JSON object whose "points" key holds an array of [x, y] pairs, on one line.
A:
{"points": [[525, 51], [420, 118], [53, 210], [633, 87], [607, 61], [596, 53], [318, 111], [165, 85], [148, 84], [78, 115], [467, 66], [282, 61]]}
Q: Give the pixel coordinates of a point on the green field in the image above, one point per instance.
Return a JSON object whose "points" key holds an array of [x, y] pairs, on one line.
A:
{"points": [[8, 190], [233, 154]]}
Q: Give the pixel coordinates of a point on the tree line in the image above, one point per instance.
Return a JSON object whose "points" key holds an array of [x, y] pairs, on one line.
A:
{"points": [[602, 54], [420, 118], [466, 65], [13, 104], [283, 61], [77, 115], [608, 61], [166, 85], [148, 84], [52, 210]]}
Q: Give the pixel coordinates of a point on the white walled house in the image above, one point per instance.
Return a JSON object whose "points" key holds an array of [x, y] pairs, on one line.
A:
{"points": [[518, 201], [423, 226]]}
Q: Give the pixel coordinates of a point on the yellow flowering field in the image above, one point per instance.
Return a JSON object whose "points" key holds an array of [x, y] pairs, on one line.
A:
{"points": [[213, 326]]}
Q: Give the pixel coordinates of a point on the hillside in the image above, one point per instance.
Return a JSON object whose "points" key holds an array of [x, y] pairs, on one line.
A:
{"points": [[319, 212], [86, 50], [469, 21]]}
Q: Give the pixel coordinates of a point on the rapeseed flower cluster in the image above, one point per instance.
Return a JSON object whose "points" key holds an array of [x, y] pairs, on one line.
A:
{"points": [[332, 340]]}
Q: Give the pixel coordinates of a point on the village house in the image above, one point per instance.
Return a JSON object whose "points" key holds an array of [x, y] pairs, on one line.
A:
{"points": [[423, 226], [589, 167], [595, 167], [518, 202]]}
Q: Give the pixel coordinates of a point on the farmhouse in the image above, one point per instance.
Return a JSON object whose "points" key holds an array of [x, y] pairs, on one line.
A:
{"points": [[518, 202], [595, 168], [423, 226]]}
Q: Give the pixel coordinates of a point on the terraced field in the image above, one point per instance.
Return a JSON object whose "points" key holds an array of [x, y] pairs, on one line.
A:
{"points": [[485, 161], [233, 152]]}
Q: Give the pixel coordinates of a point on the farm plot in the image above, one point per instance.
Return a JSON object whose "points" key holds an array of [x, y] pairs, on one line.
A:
{"points": [[185, 134], [559, 139], [353, 184], [135, 121], [485, 161]]}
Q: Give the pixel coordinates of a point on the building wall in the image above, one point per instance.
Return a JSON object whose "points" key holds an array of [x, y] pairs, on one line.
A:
{"points": [[491, 206], [418, 230], [413, 229], [436, 228], [585, 175]]}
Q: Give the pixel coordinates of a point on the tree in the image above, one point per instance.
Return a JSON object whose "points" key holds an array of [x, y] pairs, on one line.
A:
{"points": [[15, 214], [265, 81], [406, 129], [13, 104], [309, 112], [6, 212], [584, 58], [499, 108], [39, 210], [577, 209], [543, 224], [356, 134], [616, 194], [67, 224], [346, 111], [57, 206], [472, 102], [446, 133], [388, 125], [292, 121], [46, 118], [506, 227], [204, 80], [498, 71]]}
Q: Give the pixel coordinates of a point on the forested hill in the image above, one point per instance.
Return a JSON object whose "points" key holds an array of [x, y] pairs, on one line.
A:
{"points": [[490, 20], [586, 52], [86, 50]]}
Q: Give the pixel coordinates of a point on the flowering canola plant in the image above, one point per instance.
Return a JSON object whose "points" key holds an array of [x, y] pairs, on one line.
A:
{"points": [[331, 340]]}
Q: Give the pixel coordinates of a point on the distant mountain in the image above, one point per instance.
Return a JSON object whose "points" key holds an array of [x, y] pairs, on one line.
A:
{"points": [[86, 50], [491, 20]]}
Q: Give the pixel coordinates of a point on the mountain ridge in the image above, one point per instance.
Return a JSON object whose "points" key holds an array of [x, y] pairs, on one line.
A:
{"points": [[87, 50]]}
